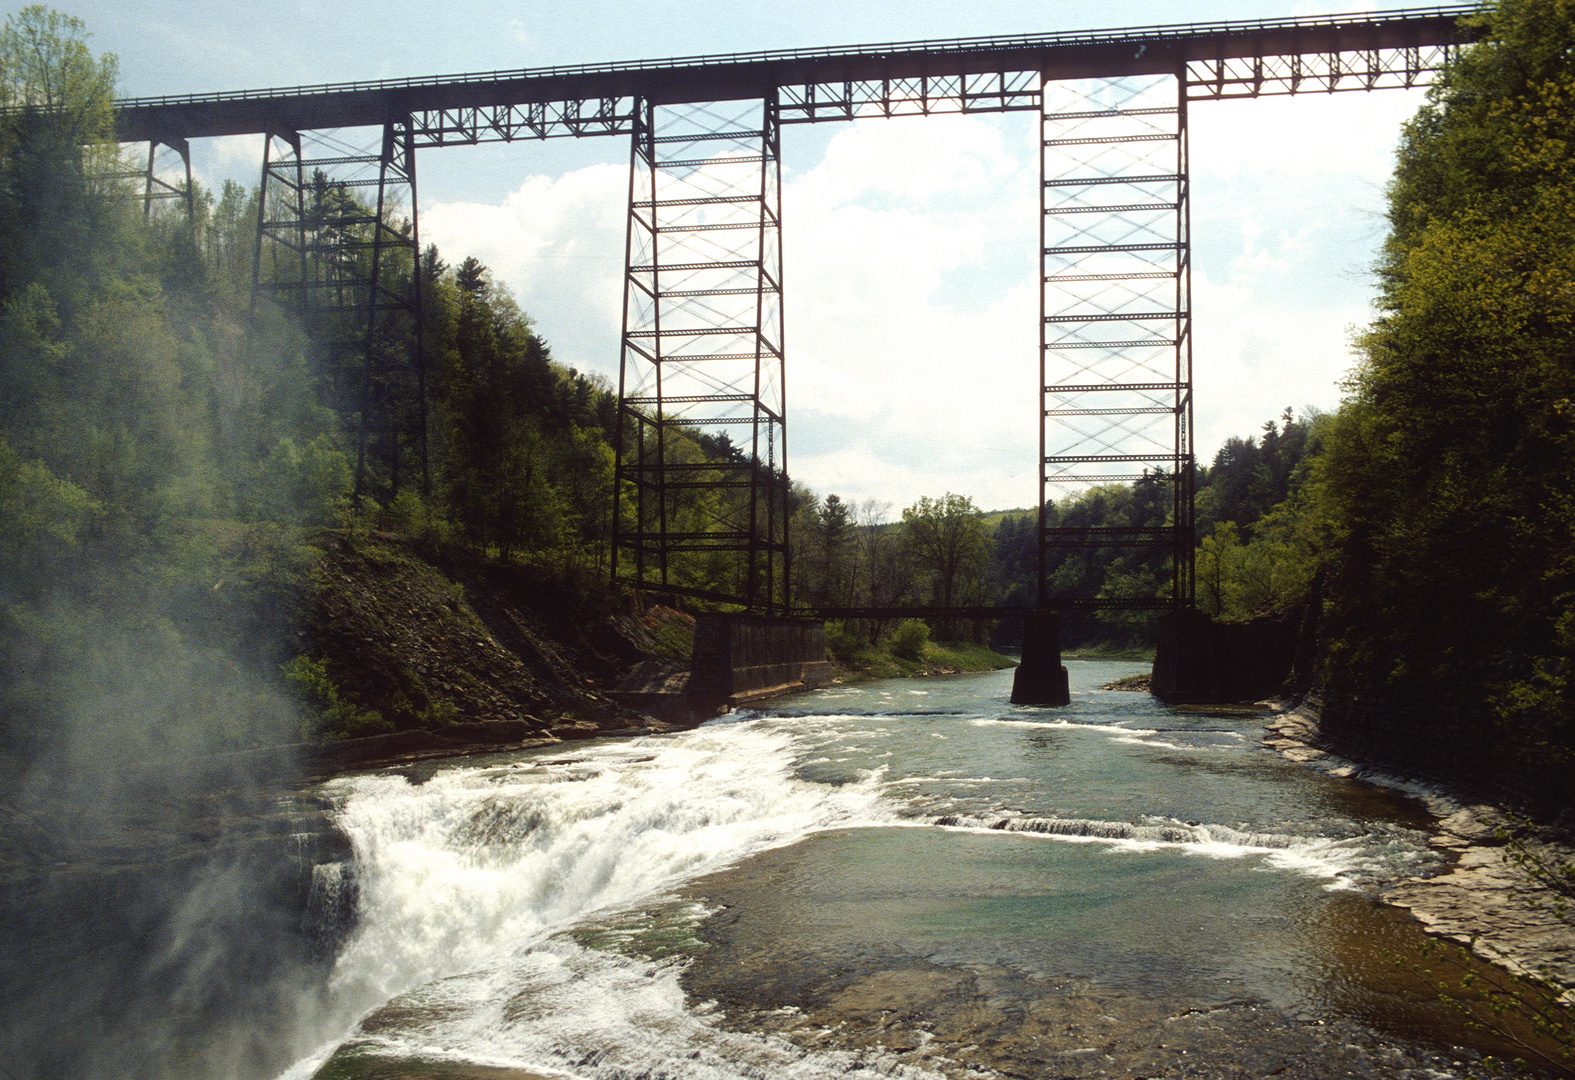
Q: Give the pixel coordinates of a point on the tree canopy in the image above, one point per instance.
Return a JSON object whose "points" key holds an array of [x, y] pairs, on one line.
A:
{"points": [[1446, 476]]}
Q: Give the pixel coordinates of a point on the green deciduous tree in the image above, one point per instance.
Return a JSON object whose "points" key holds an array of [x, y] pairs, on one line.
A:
{"points": [[142, 416], [46, 65], [56, 138], [949, 546], [1446, 478]]}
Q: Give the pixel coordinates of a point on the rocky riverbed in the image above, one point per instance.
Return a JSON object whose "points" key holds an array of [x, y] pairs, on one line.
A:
{"points": [[824, 979], [1484, 901]]}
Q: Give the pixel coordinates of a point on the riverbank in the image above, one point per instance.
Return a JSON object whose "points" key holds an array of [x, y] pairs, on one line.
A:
{"points": [[1109, 652], [902, 878], [1485, 900], [933, 658], [409, 654], [403, 639]]}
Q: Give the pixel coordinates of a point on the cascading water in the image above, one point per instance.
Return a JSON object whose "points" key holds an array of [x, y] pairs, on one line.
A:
{"points": [[470, 872], [538, 911]]}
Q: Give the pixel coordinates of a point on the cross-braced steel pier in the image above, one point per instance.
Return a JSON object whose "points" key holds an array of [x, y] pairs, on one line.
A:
{"points": [[703, 349]]}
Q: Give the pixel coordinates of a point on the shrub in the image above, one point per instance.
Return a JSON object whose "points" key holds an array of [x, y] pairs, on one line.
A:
{"points": [[842, 642], [337, 718], [909, 637]]}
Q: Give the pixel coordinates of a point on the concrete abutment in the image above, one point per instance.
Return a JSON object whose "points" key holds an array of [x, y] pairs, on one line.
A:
{"points": [[739, 659]]}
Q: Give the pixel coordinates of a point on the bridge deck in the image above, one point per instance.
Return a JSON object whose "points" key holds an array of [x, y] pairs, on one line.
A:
{"points": [[996, 611], [970, 74]]}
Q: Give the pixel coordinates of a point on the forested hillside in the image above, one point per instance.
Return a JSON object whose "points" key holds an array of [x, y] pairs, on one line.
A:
{"points": [[167, 448], [169, 442], [138, 407], [1444, 506]]}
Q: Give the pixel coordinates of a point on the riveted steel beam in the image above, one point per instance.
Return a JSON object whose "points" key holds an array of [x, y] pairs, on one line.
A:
{"points": [[1358, 51]]}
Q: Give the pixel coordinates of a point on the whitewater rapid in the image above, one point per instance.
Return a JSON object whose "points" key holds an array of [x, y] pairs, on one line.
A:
{"points": [[475, 889], [473, 871]]}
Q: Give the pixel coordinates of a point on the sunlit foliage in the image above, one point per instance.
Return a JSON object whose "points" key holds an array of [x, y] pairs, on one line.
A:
{"points": [[1447, 474]]}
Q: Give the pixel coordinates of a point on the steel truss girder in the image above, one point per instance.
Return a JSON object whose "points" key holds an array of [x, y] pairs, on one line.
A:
{"points": [[1115, 319], [1222, 59], [1315, 72], [165, 180], [1006, 90], [573, 117], [702, 356], [351, 273]]}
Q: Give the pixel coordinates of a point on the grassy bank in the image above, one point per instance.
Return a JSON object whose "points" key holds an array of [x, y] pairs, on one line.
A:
{"points": [[1109, 652], [930, 658]]}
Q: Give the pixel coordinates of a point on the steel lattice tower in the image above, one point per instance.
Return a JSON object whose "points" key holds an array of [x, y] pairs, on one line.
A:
{"points": [[165, 179], [702, 450], [701, 357], [340, 261], [1116, 313]]}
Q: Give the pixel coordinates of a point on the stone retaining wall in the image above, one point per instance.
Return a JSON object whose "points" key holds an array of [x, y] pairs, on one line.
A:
{"points": [[743, 658]]}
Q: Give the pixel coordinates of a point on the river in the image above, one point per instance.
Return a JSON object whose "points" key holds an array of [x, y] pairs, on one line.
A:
{"points": [[907, 878]]}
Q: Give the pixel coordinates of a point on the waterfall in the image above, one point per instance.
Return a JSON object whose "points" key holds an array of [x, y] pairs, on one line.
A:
{"points": [[473, 871]]}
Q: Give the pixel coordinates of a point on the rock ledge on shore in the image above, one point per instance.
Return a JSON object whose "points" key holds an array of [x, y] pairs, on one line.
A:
{"points": [[1483, 901]]}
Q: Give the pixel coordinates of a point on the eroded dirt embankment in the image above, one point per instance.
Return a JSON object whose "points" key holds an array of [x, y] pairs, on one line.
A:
{"points": [[461, 654]]}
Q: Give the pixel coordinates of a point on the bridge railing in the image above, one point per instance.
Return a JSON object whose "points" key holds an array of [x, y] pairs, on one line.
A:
{"points": [[702, 338], [944, 46]]}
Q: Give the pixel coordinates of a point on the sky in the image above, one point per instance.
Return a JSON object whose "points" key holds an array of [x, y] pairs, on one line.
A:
{"points": [[909, 244]]}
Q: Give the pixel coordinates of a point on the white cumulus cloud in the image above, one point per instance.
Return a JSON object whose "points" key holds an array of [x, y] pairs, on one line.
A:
{"points": [[910, 282]]}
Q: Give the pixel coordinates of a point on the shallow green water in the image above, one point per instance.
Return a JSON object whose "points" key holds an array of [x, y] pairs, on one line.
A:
{"points": [[894, 878]]}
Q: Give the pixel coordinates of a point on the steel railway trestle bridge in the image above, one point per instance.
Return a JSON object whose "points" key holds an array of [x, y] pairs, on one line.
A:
{"points": [[702, 341]]}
